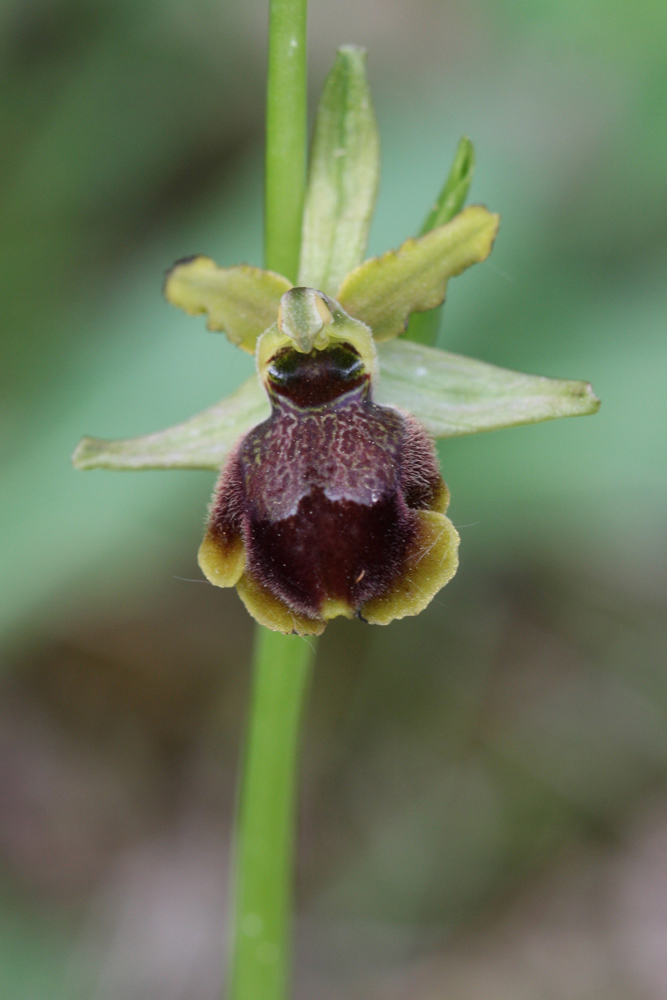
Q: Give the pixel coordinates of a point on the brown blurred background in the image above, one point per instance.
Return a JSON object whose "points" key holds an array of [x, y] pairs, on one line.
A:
{"points": [[484, 809]]}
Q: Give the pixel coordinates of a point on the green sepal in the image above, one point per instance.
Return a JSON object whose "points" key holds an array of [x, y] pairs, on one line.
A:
{"points": [[241, 301], [343, 176], [202, 442], [452, 395], [384, 291]]}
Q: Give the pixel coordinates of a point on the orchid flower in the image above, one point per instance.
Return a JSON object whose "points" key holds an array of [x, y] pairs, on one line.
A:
{"points": [[329, 500]]}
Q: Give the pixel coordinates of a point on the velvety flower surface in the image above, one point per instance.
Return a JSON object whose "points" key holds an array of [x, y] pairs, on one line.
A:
{"points": [[329, 501], [334, 505]]}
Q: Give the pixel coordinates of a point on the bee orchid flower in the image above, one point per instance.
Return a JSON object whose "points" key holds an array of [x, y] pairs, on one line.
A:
{"points": [[329, 500]]}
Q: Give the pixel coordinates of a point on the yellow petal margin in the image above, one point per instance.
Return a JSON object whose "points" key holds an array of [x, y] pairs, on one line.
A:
{"points": [[270, 611], [431, 563], [221, 562]]}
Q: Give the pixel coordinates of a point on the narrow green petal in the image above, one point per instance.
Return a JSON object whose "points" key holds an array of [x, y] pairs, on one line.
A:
{"points": [[343, 176], [383, 291], [241, 301], [453, 395], [202, 442]]}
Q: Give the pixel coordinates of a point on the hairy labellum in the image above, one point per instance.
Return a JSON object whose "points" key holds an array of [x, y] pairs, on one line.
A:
{"points": [[334, 505]]}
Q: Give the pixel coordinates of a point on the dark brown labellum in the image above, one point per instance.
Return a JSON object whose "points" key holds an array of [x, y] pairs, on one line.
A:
{"points": [[333, 499]]}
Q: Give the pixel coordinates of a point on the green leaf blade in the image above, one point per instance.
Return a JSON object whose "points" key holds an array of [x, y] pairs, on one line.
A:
{"points": [[343, 176], [384, 291], [452, 395], [454, 192], [424, 327], [202, 442], [239, 301]]}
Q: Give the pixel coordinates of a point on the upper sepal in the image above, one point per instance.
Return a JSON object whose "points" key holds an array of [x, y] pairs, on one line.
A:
{"points": [[342, 177], [241, 301], [384, 291]]}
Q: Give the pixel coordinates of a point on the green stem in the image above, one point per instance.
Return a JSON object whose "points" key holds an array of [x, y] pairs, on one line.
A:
{"points": [[266, 824], [265, 848], [286, 108]]}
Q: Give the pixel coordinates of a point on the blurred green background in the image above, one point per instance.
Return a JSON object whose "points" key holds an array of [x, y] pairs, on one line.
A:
{"points": [[485, 787]]}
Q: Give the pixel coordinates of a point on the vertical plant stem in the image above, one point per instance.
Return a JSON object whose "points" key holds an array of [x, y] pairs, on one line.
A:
{"points": [[265, 837], [266, 825], [286, 108]]}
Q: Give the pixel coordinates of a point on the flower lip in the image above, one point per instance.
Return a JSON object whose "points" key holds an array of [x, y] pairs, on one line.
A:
{"points": [[309, 380], [336, 509], [331, 556]]}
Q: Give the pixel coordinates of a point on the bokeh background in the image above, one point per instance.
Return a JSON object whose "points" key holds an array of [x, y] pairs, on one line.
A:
{"points": [[484, 808]]}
